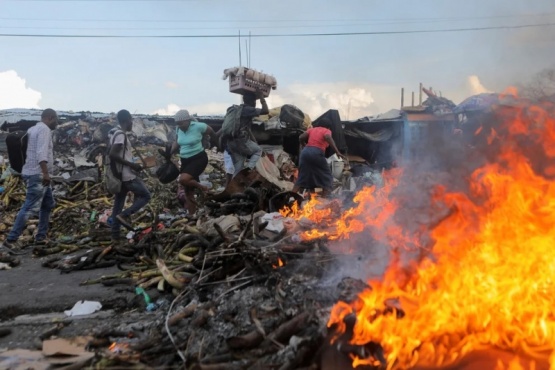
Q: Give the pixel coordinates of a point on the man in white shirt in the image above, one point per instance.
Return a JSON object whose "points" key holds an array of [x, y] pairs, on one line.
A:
{"points": [[121, 153], [36, 174]]}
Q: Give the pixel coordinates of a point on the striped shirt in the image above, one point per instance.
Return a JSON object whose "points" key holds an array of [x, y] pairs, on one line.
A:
{"points": [[39, 149]]}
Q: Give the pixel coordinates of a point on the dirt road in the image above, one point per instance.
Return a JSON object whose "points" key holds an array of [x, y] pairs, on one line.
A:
{"points": [[44, 294]]}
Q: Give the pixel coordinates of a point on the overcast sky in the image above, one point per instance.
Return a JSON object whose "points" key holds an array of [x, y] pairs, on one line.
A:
{"points": [[358, 74]]}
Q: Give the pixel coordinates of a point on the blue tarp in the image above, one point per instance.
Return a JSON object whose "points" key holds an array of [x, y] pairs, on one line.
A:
{"points": [[478, 103]]}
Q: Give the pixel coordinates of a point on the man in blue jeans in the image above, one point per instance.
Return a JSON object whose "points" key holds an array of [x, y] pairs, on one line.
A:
{"points": [[121, 153], [36, 174]]}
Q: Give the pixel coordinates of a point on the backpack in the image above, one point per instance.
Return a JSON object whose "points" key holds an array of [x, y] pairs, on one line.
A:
{"points": [[16, 143], [112, 169], [232, 122]]}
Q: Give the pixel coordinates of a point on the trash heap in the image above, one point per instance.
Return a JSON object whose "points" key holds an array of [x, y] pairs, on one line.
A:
{"points": [[237, 291], [235, 288]]}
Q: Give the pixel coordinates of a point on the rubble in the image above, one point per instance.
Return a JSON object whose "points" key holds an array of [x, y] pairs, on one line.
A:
{"points": [[235, 288]]}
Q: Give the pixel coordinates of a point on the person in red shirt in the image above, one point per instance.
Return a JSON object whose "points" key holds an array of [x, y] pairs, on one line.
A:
{"points": [[314, 171]]}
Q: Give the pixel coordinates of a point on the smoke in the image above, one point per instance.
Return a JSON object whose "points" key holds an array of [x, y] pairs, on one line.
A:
{"points": [[476, 86], [15, 94]]}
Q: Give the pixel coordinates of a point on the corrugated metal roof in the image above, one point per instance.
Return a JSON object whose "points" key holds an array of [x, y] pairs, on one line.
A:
{"points": [[429, 117]]}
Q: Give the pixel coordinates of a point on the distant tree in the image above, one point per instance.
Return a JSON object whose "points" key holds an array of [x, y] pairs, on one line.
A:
{"points": [[541, 86]]}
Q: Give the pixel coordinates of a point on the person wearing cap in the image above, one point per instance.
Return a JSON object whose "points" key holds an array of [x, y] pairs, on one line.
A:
{"points": [[121, 152], [244, 147], [189, 142]]}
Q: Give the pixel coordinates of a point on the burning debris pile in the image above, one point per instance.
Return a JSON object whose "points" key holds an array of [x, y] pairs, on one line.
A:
{"points": [[458, 264], [479, 293]]}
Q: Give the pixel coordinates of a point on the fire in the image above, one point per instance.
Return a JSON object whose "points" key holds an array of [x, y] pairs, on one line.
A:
{"points": [[118, 347], [280, 264], [372, 212], [491, 280], [315, 210]]}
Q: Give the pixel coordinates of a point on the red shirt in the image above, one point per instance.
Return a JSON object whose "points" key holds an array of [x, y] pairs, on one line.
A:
{"points": [[316, 137]]}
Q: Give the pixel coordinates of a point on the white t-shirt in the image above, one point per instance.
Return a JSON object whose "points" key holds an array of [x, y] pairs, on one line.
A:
{"points": [[126, 174]]}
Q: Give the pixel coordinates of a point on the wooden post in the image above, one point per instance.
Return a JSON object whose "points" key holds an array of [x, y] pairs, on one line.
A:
{"points": [[420, 95], [402, 97]]}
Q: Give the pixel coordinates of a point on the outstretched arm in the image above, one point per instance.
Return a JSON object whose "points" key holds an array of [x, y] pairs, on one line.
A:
{"points": [[303, 138], [213, 135], [330, 141]]}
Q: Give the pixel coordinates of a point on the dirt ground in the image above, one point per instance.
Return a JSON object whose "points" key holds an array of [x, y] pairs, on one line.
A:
{"points": [[34, 299]]}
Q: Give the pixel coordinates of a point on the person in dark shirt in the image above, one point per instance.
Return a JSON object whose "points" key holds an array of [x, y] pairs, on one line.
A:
{"points": [[244, 148]]}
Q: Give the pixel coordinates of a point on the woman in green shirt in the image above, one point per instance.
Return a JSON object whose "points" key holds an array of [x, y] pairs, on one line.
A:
{"points": [[190, 134]]}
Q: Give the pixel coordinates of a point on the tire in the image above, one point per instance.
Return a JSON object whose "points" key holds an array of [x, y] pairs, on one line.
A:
{"points": [[292, 116]]}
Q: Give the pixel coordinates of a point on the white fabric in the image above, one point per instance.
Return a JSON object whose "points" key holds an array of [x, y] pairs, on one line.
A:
{"points": [[39, 149], [228, 164], [126, 173]]}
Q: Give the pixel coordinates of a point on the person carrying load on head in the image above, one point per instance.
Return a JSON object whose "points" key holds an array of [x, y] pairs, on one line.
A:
{"points": [[241, 145], [314, 171], [190, 135]]}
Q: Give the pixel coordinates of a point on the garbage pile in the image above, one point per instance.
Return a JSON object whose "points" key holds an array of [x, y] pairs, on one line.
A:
{"points": [[240, 290], [237, 287]]}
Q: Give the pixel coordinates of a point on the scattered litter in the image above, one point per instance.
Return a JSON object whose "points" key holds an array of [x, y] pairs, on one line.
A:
{"points": [[84, 308]]}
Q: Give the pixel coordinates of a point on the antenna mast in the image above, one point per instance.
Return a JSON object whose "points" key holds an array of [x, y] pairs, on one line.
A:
{"points": [[239, 48]]}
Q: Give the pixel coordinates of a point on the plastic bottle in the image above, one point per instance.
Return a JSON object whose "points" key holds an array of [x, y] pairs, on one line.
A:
{"points": [[139, 290], [149, 305]]}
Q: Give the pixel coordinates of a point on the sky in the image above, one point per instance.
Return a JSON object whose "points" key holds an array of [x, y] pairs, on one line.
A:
{"points": [[353, 55]]}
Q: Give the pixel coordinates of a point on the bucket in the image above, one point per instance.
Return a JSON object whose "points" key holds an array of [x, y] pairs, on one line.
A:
{"points": [[336, 165]]}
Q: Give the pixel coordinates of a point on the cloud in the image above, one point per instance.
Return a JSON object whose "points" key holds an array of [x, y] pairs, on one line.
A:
{"points": [[169, 110], [476, 86], [351, 100], [171, 85], [201, 109], [14, 93]]}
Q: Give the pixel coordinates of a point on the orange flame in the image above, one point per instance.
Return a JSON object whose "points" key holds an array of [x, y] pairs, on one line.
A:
{"points": [[372, 212], [491, 282], [280, 263]]}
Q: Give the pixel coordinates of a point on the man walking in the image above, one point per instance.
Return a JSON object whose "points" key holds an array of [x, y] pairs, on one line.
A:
{"points": [[243, 147], [36, 174], [121, 153]]}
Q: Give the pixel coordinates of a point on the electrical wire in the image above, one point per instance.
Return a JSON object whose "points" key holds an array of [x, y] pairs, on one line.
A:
{"points": [[379, 20], [211, 28], [447, 30]]}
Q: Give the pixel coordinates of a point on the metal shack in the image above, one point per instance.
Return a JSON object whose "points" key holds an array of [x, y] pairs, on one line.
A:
{"points": [[428, 129]]}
